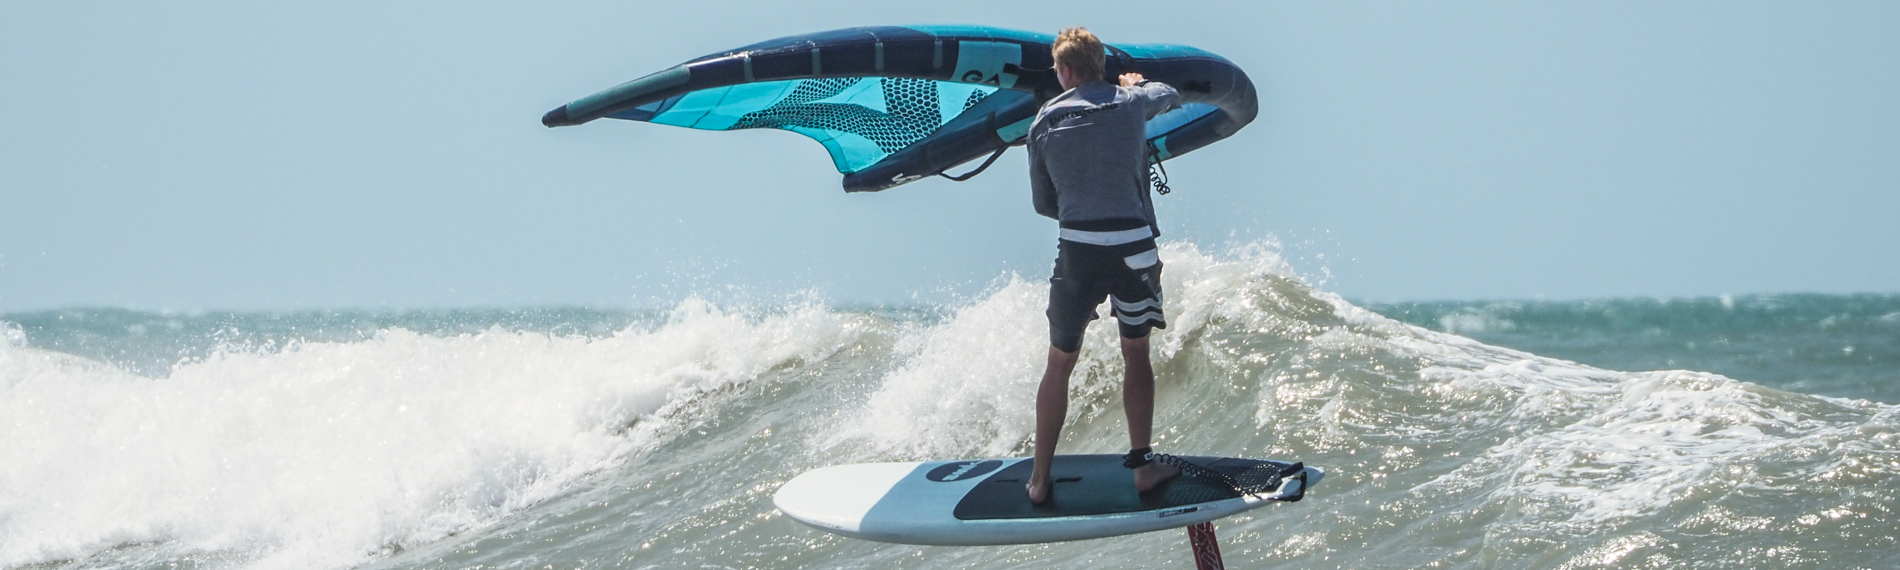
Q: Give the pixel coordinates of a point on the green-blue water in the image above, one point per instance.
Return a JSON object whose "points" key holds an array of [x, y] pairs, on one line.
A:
{"points": [[1746, 432], [1832, 345]]}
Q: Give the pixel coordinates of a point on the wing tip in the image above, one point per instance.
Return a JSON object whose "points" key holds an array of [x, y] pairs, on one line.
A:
{"points": [[557, 118]]}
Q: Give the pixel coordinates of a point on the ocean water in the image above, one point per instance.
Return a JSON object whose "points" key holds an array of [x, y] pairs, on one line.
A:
{"points": [[1832, 345], [1749, 432]]}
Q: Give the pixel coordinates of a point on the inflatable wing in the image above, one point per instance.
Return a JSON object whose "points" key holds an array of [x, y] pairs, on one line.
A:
{"points": [[895, 104]]}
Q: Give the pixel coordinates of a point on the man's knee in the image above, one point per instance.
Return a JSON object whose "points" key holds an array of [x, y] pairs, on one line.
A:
{"points": [[1135, 348]]}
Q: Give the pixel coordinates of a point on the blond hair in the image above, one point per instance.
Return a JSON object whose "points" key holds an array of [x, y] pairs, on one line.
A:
{"points": [[1082, 52]]}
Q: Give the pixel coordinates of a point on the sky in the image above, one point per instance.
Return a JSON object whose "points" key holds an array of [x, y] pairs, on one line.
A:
{"points": [[389, 155]]}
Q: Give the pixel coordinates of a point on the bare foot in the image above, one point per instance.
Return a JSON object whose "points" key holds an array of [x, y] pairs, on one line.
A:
{"points": [[1038, 489], [1152, 475]]}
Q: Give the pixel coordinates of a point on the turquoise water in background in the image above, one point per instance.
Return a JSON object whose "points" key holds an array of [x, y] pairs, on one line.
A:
{"points": [[1743, 432], [1834, 345]]}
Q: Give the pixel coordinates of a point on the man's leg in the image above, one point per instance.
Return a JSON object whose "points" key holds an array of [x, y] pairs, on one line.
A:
{"points": [[1138, 402], [1052, 406]]}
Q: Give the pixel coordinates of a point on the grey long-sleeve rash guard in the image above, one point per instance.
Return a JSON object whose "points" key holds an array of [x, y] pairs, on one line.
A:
{"points": [[1088, 154]]}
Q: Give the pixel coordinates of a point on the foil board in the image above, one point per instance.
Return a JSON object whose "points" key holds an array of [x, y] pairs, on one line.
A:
{"points": [[982, 502]]}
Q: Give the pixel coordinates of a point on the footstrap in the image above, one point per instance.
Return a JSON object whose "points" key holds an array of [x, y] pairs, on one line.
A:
{"points": [[1260, 478]]}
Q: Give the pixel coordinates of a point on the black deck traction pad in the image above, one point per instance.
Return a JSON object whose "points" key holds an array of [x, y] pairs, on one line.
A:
{"points": [[1099, 485]]}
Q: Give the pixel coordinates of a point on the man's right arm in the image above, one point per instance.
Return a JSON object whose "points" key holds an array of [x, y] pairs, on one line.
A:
{"points": [[1041, 190]]}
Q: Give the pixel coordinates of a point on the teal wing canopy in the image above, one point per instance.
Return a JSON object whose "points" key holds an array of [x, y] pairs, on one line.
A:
{"points": [[860, 120]]}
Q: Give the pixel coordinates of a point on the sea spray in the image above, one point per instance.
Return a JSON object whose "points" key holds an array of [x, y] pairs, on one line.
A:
{"points": [[321, 454], [967, 389]]}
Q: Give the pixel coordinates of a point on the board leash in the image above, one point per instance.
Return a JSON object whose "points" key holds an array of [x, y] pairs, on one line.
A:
{"points": [[1157, 174]]}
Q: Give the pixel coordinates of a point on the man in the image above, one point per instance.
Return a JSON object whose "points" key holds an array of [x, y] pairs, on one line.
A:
{"points": [[1088, 169]]}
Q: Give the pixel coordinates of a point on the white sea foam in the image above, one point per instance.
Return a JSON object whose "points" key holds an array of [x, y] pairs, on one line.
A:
{"points": [[1601, 447], [1664, 434], [319, 455], [962, 391], [1475, 322], [12, 335]]}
